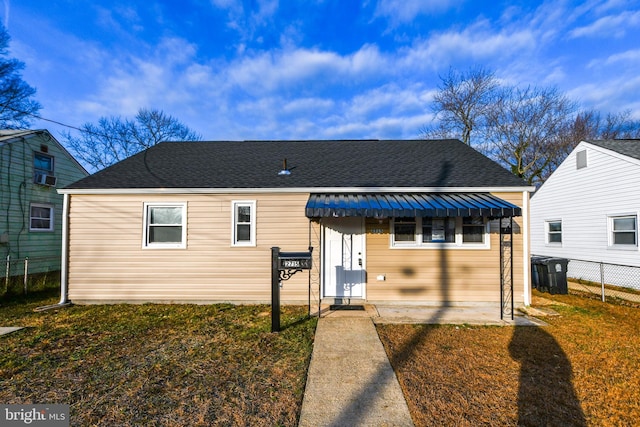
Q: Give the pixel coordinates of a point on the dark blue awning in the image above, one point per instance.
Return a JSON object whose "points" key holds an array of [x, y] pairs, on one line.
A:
{"points": [[389, 205]]}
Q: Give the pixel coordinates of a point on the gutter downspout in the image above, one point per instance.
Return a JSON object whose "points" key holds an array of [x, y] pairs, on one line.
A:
{"points": [[526, 256], [64, 289]]}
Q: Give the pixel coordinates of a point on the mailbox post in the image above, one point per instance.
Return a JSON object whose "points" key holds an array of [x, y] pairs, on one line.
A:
{"points": [[283, 266]]}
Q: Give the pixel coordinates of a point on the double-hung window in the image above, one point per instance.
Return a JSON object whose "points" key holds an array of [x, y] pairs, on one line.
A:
{"points": [[165, 225], [554, 232], [243, 219], [623, 231], [40, 217], [43, 163], [440, 232]]}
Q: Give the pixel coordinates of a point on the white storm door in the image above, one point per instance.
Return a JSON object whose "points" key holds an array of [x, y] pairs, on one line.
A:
{"points": [[344, 258]]}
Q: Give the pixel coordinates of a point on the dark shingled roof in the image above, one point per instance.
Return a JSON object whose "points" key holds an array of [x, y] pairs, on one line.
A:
{"points": [[313, 164], [628, 147]]}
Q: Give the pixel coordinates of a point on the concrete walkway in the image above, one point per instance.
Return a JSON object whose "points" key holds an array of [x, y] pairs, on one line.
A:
{"points": [[350, 381], [8, 329]]}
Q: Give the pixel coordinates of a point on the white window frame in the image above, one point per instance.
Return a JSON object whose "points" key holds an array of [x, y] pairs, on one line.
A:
{"points": [[235, 204], [611, 232], [548, 232], [44, 171], [456, 244], [51, 218], [145, 234]]}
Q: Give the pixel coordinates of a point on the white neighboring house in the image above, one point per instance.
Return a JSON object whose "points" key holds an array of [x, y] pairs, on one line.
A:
{"points": [[588, 210]]}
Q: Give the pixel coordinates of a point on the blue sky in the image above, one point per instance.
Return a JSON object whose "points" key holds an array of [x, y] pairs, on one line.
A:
{"points": [[305, 69]]}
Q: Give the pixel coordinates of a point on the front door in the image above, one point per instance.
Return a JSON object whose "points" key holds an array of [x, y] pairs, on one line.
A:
{"points": [[344, 258]]}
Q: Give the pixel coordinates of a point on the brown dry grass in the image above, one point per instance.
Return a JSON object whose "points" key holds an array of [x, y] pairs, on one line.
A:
{"points": [[582, 369], [170, 365]]}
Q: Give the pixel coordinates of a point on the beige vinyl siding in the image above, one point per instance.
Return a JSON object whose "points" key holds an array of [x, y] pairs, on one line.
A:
{"points": [[440, 275], [107, 261]]}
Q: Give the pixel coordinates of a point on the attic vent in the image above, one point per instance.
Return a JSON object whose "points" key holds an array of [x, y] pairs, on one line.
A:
{"points": [[285, 171], [581, 159], [44, 148]]}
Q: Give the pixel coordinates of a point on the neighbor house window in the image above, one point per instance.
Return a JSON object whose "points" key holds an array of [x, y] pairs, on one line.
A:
{"points": [[581, 159], [436, 232], [243, 223], [40, 217], [554, 231], [624, 230], [165, 225], [43, 163]]}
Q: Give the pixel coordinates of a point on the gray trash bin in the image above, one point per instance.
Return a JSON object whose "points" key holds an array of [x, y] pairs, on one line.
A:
{"points": [[539, 273], [557, 275]]}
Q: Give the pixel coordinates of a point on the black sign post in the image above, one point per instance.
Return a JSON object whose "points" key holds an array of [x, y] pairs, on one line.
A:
{"points": [[283, 266], [275, 290]]}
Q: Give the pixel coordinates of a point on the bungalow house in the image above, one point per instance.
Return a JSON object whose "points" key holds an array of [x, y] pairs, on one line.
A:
{"points": [[389, 221], [587, 212], [32, 165]]}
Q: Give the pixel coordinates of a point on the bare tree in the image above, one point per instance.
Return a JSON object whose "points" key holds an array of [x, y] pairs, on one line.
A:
{"points": [[113, 139], [17, 106], [525, 129], [462, 103]]}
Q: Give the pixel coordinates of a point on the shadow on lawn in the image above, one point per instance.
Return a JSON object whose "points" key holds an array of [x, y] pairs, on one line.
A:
{"points": [[360, 405], [545, 395]]}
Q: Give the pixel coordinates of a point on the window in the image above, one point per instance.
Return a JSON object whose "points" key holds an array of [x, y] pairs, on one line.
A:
{"points": [[43, 163], [435, 232], [624, 230], [473, 229], [554, 231], [41, 217], [243, 223], [581, 159], [405, 230], [43, 169], [165, 225], [438, 230]]}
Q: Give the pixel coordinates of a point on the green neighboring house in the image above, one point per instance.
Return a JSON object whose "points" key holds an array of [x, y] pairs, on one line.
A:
{"points": [[33, 164]]}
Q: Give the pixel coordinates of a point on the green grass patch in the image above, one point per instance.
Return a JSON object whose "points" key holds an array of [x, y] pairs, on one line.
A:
{"points": [[157, 364]]}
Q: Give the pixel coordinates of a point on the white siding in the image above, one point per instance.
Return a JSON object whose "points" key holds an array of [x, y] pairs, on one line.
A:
{"points": [[583, 199]]}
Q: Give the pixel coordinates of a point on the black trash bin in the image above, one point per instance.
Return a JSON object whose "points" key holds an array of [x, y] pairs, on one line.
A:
{"points": [[539, 273], [557, 275]]}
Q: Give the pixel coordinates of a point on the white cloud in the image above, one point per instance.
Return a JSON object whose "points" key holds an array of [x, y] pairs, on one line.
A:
{"points": [[402, 11], [274, 70], [478, 42], [608, 26], [629, 58]]}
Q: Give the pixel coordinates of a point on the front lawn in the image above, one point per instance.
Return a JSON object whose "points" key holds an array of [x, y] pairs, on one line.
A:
{"points": [[582, 369], [152, 364]]}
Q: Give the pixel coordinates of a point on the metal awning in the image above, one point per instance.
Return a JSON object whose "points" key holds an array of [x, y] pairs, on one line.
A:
{"points": [[389, 205]]}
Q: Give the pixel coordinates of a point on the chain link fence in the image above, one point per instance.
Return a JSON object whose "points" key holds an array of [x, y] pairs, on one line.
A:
{"points": [[24, 275], [604, 279]]}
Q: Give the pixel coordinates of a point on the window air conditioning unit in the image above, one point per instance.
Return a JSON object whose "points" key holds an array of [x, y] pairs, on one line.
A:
{"points": [[48, 180]]}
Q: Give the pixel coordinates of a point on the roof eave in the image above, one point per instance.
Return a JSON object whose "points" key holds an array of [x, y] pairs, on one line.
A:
{"points": [[490, 189]]}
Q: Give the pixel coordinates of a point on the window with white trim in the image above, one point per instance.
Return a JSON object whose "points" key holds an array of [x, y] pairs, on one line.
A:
{"points": [[43, 163], [430, 232], [165, 225], [623, 231], [40, 217], [243, 227], [554, 231]]}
